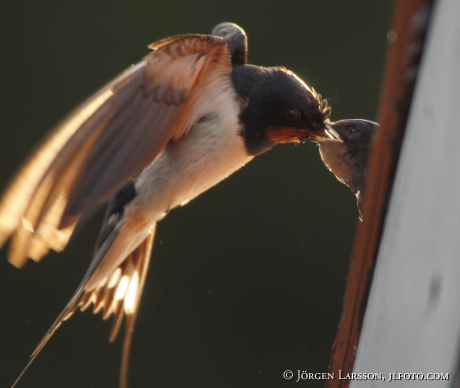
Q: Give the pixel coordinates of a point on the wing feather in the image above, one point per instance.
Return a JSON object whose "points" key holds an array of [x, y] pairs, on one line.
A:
{"points": [[104, 142], [119, 296], [107, 140]]}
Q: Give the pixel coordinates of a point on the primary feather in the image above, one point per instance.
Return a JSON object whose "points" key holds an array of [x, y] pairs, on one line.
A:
{"points": [[88, 156], [111, 137]]}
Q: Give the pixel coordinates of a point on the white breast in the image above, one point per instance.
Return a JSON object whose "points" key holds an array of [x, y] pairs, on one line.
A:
{"points": [[210, 152]]}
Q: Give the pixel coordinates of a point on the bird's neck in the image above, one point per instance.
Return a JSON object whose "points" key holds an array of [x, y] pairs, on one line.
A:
{"points": [[250, 84], [359, 159], [346, 166]]}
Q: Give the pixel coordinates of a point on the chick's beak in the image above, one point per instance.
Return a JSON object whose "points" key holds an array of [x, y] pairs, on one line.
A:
{"points": [[331, 133]]}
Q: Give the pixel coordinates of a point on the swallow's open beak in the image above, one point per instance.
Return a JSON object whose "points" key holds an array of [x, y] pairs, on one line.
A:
{"points": [[331, 133]]}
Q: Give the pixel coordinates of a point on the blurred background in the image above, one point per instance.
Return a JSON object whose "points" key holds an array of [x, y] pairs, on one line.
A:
{"points": [[247, 280]]}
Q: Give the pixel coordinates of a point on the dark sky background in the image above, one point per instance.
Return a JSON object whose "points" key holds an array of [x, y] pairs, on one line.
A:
{"points": [[247, 280]]}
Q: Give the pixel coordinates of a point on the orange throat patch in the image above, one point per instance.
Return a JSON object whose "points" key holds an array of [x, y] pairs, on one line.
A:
{"points": [[287, 135]]}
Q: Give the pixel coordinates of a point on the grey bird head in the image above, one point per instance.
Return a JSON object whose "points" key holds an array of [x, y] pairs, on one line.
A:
{"points": [[346, 153], [236, 39]]}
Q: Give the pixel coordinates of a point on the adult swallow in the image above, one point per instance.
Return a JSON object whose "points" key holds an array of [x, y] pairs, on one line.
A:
{"points": [[182, 119], [346, 152]]}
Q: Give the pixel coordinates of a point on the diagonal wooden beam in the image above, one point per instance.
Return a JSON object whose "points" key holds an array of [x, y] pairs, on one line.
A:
{"points": [[407, 37]]}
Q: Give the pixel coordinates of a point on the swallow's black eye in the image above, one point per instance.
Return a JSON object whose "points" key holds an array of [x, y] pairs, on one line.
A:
{"points": [[293, 114], [354, 131]]}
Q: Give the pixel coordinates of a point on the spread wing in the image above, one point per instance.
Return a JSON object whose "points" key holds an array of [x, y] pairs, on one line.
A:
{"points": [[111, 137]]}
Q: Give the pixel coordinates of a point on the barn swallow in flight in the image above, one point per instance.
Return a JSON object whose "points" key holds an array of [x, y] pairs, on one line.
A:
{"points": [[346, 152], [184, 118]]}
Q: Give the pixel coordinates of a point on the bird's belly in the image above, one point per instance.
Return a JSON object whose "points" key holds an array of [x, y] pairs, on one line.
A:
{"points": [[208, 154]]}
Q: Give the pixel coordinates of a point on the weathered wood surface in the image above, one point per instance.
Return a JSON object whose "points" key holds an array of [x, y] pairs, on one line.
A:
{"points": [[412, 321]]}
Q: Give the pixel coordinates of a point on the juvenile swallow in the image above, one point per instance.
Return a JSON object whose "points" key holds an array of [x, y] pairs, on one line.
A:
{"points": [[346, 152], [182, 119]]}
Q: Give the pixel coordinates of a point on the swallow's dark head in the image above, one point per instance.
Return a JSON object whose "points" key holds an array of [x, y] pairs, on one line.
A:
{"points": [[280, 108], [346, 152], [295, 112], [355, 133]]}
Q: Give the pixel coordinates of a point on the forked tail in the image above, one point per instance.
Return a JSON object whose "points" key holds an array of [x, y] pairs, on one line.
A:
{"points": [[119, 295]]}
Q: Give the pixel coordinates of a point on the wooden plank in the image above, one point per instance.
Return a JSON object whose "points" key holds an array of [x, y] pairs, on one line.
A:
{"points": [[407, 32], [412, 321]]}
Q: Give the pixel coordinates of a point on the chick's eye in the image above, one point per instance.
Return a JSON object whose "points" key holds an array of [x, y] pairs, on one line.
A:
{"points": [[354, 131], [293, 114]]}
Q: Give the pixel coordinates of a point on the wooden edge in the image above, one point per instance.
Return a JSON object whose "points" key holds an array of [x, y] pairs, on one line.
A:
{"points": [[406, 41]]}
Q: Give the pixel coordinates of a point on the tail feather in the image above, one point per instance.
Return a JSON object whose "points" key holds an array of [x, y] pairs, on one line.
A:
{"points": [[119, 296], [143, 259]]}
